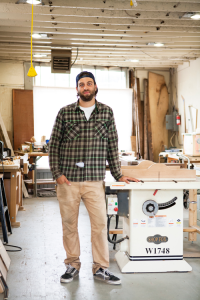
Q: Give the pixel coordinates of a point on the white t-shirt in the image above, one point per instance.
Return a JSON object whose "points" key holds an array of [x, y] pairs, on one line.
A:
{"points": [[88, 111]]}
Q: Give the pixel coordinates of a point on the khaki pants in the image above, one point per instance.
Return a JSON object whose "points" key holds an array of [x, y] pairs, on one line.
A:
{"points": [[93, 195]]}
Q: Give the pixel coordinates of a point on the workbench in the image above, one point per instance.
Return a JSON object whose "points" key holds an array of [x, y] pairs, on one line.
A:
{"points": [[173, 157], [35, 156], [140, 252], [13, 188]]}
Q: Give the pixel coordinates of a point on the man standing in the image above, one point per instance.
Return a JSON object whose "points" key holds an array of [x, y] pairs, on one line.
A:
{"points": [[84, 136]]}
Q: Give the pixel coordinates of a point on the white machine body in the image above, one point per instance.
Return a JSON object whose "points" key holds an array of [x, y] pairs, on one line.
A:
{"points": [[155, 241], [154, 237]]}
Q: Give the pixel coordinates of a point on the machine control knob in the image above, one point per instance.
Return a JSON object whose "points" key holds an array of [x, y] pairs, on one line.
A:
{"points": [[116, 209], [150, 208]]}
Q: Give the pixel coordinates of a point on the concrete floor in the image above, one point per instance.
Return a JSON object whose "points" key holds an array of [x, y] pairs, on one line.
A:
{"points": [[35, 271]]}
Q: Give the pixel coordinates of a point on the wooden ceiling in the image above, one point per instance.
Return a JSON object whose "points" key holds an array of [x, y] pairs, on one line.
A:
{"points": [[105, 32]]}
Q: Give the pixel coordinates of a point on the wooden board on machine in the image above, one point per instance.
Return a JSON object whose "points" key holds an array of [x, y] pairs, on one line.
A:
{"points": [[23, 126], [158, 105], [151, 171]]}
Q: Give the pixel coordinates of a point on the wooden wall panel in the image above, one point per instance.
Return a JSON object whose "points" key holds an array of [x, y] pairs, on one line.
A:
{"points": [[158, 104], [23, 124]]}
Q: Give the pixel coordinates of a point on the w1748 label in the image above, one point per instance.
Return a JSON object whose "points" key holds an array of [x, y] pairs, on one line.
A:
{"points": [[157, 250]]}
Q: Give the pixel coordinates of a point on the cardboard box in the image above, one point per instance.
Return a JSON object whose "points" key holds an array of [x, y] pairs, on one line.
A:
{"points": [[4, 264]]}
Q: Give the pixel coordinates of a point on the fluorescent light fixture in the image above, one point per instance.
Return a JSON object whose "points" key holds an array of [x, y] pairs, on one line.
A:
{"points": [[155, 44], [195, 17], [192, 15], [158, 44], [132, 60], [150, 44], [39, 35], [39, 55], [34, 2]]}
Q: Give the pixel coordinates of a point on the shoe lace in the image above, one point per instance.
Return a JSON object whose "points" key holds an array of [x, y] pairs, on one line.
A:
{"points": [[106, 272], [68, 268]]}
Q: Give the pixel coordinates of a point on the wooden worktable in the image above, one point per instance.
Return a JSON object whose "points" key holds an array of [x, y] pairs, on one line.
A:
{"points": [[13, 189], [171, 156], [34, 155]]}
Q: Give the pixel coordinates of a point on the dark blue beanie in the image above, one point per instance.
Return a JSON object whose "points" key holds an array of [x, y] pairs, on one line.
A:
{"points": [[84, 74]]}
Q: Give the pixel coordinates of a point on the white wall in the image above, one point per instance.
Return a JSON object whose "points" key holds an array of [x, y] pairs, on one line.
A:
{"points": [[188, 86], [11, 77]]}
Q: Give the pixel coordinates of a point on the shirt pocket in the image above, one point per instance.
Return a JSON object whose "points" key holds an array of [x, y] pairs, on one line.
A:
{"points": [[72, 131], [101, 130]]}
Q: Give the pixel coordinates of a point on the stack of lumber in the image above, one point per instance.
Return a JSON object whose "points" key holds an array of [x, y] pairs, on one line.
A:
{"points": [[149, 133]]}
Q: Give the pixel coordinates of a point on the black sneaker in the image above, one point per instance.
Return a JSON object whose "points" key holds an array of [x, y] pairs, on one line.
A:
{"points": [[106, 276], [69, 274]]}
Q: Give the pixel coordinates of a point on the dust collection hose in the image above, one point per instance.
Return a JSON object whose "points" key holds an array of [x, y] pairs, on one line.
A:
{"points": [[108, 227]]}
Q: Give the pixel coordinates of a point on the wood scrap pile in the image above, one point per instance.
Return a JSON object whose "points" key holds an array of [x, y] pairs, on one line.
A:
{"points": [[149, 133]]}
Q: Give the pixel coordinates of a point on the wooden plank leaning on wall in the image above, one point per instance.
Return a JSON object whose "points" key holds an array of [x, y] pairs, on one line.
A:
{"points": [[148, 145], [4, 136], [158, 104], [133, 134], [140, 106]]}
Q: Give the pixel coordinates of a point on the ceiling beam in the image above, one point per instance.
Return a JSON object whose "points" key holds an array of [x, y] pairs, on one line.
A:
{"points": [[128, 36], [108, 5], [120, 18], [76, 25]]}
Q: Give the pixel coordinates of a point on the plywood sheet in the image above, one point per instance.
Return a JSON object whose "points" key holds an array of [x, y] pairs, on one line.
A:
{"points": [[23, 126], [158, 105]]}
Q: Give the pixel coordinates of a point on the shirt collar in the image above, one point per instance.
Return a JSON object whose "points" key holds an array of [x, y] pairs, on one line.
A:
{"points": [[97, 108]]}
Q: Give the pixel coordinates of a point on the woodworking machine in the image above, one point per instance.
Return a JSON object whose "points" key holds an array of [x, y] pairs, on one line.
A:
{"points": [[152, 217]]}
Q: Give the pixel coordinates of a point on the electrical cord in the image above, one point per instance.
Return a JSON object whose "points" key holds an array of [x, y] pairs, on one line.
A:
{"points": [[171, 140], [108, 227], [20, 249], [75, 58]]}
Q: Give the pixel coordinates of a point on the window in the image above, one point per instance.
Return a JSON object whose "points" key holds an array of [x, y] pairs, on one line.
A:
{"points": [[53, 91], [105, 77]]}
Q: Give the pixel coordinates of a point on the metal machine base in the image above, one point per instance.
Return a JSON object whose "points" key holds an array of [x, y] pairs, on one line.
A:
{"points": [[153, 266]]}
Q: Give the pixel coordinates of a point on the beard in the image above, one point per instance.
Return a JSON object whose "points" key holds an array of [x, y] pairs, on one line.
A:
{"points": [[87, 97]]}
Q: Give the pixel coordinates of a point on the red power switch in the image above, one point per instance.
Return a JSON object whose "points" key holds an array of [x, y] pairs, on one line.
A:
{"points": [[116, 209]]}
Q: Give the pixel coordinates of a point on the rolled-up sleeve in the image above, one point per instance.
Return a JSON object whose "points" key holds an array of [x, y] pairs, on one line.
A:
{"points": [[112, 155], [54, 145]]}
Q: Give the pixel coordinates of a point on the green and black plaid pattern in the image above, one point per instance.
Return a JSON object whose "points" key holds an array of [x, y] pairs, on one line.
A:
{"points": [[74, 139]]}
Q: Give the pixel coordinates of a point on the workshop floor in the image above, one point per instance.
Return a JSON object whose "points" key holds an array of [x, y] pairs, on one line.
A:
{"points": [[35, 271]]}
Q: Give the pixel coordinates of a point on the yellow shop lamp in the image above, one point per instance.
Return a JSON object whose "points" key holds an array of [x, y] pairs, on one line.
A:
{"points": [[32, 72]]}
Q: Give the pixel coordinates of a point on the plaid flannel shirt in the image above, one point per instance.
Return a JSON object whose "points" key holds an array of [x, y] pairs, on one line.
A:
{"points": [[74, 139]]}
